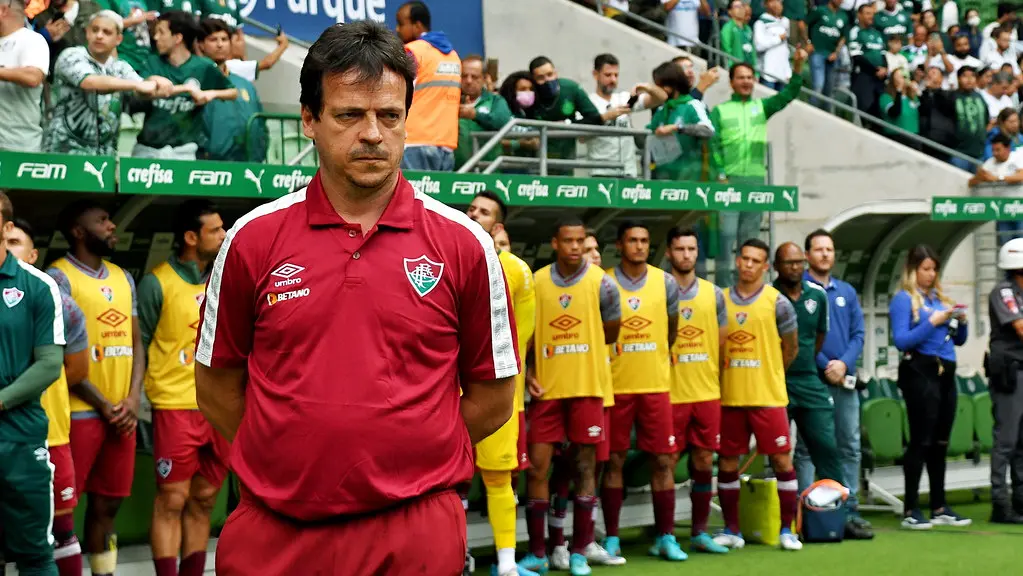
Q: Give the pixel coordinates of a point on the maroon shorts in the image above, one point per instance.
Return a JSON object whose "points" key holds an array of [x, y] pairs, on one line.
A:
{"points": [[579, 420], [604, 448], [186, 445], [769, 425], [425, 536], [522, 449], [104, 459], [650, 414], [65, 495], [698, 424]]}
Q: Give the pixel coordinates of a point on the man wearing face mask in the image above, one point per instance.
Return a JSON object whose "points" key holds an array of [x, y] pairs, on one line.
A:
{"points": [[561, 100], [606, 99]]}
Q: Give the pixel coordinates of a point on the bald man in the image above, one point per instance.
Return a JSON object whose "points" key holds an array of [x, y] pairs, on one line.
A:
{"points": [[810, 403]]}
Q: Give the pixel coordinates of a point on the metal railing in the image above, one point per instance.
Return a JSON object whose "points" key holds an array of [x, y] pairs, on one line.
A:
{"points": [[273, 32], [284, 137], [546, 131], [859, 116]]}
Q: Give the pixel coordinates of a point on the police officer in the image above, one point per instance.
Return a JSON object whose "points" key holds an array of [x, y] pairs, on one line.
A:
{"points": [[31, 355], [1005, 372]]}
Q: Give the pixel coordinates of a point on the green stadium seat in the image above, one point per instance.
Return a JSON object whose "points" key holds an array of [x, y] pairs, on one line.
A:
{"points": [[961, 440], [637, 470], [881, 420], [682, 469], [130, 128], [983, 421], [476, 490]]}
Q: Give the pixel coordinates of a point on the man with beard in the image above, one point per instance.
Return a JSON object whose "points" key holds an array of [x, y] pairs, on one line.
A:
{"points": [[104, 408], [559, 100], [190, 456], [696, 384]]}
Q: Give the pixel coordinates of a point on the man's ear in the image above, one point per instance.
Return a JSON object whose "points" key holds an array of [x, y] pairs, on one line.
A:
{"points": [[498, 228]]}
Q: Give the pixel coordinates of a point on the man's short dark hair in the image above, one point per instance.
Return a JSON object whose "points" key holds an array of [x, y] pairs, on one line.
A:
{"points": [[1004, 29], [188, 218], [671, 75], [604, 60], [538, 62], [816, 234], [567, 221], [678, 59], [592, 232], [210, 26], [1002, 77], [735, 68], [6, 208], [69, 216], [966, 69], [627, 225], [677, 232], [502, 208], [755, 243], [418, 12], [1002, 139], [24, 226], [862, 6], [181, 22], [365, 47]]}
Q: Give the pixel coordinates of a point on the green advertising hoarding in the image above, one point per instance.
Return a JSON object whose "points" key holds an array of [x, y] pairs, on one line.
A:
{"points": [[976, 208], [28, 171]]}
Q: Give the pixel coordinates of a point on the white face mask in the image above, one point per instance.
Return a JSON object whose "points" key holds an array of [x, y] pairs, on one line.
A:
{"points": [[973, 21]]}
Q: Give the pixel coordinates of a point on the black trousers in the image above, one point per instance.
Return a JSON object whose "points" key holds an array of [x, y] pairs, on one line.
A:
{"points": [[928, 386]]}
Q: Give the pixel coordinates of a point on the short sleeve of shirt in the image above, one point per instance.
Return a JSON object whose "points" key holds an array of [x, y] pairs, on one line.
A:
{"points": [[486, 335], [719, 297], [47, 310], [610, 300], [1004, 306], [74, 326], [227, 315], [673, 294], [785, 314], [63, 284], [247, 69], [72, 67], [134, 294], [35, 53]]}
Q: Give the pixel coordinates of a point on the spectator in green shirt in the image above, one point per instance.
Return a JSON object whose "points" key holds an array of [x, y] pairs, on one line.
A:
{"points": [[827, 24], [900, 106], [480, 110], [683, 118], [867, 48], [561, 100], [136, 46], [737, 35]]}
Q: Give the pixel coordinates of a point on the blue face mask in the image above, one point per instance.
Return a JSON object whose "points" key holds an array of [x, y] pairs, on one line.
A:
{"points": [[548, 91]]}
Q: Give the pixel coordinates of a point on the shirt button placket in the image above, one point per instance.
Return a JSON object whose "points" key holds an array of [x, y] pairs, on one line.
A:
{"points": [[356, 256]]}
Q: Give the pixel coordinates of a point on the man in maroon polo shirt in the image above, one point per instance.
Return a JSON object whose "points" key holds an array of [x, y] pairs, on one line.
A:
{"points": [[340, 324]]}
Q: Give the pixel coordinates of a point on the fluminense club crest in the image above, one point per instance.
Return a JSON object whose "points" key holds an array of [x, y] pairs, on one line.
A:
{"points": [[811, 306], [740, 317], [107, 292], [12, 296], [633, 303], [424, 274], [565, 300], [687, 313]]}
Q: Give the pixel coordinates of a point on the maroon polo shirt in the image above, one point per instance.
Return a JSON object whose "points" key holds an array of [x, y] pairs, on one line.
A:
{"points": [[355, 347]]}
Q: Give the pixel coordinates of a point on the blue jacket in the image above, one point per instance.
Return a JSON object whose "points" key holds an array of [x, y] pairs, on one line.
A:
{"points": [[845, 337], [921, 336]]}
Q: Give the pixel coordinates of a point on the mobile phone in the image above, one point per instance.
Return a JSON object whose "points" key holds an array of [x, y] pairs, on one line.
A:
{"points": [[278, 31], [632, 100]]}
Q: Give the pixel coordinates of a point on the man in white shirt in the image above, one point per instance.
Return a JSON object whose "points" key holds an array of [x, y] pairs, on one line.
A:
{"points": [[684, 20], [769, 38], [608, 98], [1006, 19], [250, 69], [1004, 166], [1004, 53], [24, 64], [951, 63], [996, 96]]}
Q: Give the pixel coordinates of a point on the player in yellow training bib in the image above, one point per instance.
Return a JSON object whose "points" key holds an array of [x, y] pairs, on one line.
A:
{"points": [[696, 383], [760, 342], [190, 456], [641, 377], [104, 408], [503, 454]]}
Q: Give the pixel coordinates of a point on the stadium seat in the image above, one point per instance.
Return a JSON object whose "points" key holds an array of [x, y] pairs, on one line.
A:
{"points": [[130, 128], [476, 492], [881, 420], [682, 469], [983, 421], [961, 440]]}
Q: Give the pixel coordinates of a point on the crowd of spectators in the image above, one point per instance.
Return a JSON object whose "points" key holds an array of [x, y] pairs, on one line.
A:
{"points": [[71, 69]]}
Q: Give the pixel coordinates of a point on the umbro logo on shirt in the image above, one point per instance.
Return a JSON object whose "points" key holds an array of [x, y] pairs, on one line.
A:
{"points": [[41, 454], [288, 273], [594, 431]]}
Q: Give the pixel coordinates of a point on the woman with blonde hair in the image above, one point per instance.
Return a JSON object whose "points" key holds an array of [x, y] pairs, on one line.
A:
{"points": [[927, 326]]}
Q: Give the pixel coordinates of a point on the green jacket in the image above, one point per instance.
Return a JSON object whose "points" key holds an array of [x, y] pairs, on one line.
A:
{"points": [[492, 113], [690, 115], [738, 43], [739, 146]]}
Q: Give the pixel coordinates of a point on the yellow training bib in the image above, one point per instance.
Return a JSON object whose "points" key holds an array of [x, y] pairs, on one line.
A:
{"points": [[571, 358], [695, 356], [640, 362], [170, 377], [106, 305], [56, 401], [754, 371], [523, 300]]}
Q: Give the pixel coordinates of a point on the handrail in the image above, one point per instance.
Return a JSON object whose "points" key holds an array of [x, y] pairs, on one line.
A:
{"points": [[273, 30], [297, 118], [809, 92]]}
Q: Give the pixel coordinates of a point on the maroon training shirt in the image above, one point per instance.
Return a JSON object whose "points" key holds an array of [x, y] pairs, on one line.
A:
{"points": [[355, 348]]}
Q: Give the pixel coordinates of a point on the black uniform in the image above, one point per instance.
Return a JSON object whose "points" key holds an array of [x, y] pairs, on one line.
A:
{"points": [[1005, 370]]}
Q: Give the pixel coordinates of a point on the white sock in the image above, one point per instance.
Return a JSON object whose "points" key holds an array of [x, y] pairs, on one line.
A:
{"points": [[505, 560]]}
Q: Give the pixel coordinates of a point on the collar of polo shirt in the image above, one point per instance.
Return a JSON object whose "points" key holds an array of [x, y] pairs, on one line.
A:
{"points": [[399, 213]]}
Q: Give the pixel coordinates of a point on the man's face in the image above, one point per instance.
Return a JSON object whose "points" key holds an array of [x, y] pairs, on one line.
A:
{"points": [[591, 251], [103, 37], [607, 79], [752, 264], [164, 40], [791, 264], [895, 44], [962, 46], [867, 15], [689, 69], [737, 11], [1000, 151], [998, 89], [360, 133], [472, 78], [568, 244], [501, 241], [211, 237], [634, 245], [891, 4], [485, 212], [98, 232], [682, 252], [1003, 41], [20, 245], [967, 81], [545, 73], [773, 7], [822, 254], [217, 47], [743, 82], [407, 30], [919, 35]]}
